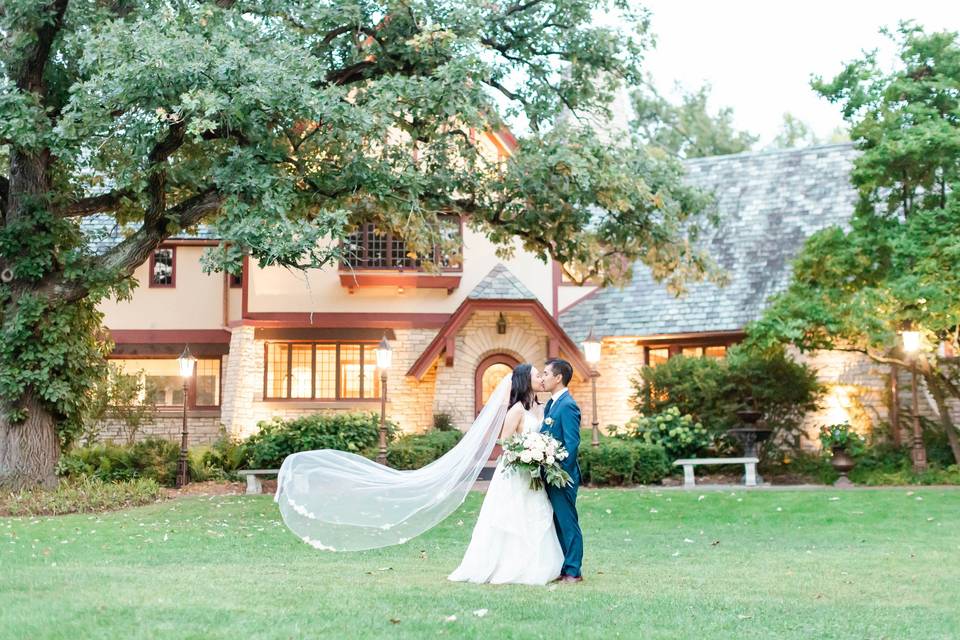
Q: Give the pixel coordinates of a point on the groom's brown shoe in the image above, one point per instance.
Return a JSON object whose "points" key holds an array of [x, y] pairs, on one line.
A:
{"points": [[571, 579]]}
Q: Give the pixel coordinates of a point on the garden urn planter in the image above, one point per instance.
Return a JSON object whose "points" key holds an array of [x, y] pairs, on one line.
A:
{"points": [[842, 463]]}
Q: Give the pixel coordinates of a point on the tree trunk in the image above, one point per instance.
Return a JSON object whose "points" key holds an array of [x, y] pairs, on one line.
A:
{"points": [[29, 450], [945, 420]]}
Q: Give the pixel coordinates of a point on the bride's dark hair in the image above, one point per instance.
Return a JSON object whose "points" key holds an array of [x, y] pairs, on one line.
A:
{"points": [[520, 388]]}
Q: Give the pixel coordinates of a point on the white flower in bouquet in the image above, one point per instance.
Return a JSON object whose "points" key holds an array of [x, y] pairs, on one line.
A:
{"points": [[536, 455]]}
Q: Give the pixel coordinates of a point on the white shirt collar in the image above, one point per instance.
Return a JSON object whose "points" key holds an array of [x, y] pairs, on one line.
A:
{"points": [[557, 395]]}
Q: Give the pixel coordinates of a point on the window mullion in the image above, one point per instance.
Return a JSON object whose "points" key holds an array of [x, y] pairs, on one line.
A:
{"points": [[336, 377], [313, 371]]}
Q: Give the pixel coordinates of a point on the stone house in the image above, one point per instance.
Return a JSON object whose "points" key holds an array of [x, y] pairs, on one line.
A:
{"points": [[273, 342]]}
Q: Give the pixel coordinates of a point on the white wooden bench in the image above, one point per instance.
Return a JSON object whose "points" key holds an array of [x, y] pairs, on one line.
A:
{"points": [[749, 465], [254, 486]]}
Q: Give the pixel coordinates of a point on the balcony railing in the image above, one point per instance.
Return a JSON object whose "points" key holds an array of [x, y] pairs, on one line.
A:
{"points": [[377, 258], [368, 249]]}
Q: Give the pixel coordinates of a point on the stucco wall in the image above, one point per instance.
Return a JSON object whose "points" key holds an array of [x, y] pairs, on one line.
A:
{"points": [[196, 302], [275, 289]]}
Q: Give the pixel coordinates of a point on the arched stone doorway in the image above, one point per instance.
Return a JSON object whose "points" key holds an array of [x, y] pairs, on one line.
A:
{"points": [[490, 372]]}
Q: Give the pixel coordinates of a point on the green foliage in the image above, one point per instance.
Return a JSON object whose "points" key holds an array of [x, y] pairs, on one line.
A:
{"points": [[841, 436], [855, 288], [418, 450], [118, 396], [443, 421], [278, 438], [687, 129], [267, 122], [153, 458], [81, 495], [618, 461], [679, 435], [226, 455], [712, 391]]}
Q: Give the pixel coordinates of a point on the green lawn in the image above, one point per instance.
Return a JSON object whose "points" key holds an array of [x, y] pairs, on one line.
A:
{"points": [[659, 564]]}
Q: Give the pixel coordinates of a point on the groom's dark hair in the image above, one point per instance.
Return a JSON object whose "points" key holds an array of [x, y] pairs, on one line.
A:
{"points": [[563, 368]]}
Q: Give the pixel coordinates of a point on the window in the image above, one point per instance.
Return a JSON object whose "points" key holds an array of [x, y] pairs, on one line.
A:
{"points": [[660, 354], [163, 386], [369, 248], [320, 371], [657, 356], [163, 267]]}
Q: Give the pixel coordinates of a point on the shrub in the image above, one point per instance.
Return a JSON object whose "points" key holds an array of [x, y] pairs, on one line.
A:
{"points": [[83, 495], [442, 421], [415, 451], [153, 458], [842, 436], [278, 438], [622, 462], [712, 391], [225, 455], [679, 435]]}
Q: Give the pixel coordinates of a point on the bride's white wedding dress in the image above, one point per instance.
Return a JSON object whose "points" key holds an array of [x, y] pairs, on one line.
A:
{"points": [[514, 540]]}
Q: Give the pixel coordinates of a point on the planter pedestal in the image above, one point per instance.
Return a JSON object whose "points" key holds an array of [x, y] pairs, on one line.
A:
{"points": [[842, 463]]}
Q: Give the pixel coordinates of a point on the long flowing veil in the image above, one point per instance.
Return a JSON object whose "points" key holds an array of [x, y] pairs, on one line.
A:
{"points": [[340, 501]]}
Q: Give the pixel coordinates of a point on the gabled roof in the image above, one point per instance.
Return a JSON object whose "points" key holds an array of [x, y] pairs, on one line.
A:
{"points": [[768, 204], [500, 284], [499, 290]]}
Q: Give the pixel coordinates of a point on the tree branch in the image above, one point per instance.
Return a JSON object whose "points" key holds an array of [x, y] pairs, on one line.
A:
{"points": [[134, 250], [95, 204], [28, 75]]}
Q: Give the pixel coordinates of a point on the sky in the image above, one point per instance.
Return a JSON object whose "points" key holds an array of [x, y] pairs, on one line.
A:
{"points": [[758, 56]]}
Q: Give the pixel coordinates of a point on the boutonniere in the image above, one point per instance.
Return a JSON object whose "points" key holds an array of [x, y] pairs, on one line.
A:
{"points": [[548, 421]]}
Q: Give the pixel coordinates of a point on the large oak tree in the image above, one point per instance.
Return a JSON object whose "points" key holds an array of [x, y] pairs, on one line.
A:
{"points": [[282, 124]]}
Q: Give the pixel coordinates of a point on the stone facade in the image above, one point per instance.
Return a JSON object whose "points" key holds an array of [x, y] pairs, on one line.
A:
{"points": [[202, 428], [409, 402], [525, 340]]}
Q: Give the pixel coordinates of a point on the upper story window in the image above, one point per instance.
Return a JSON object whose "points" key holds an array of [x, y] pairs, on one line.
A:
{"points": [[370, 248], [163, 267]]}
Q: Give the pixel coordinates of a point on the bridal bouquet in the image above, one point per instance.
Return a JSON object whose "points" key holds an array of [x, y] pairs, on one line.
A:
{"points": [[528, 453]]}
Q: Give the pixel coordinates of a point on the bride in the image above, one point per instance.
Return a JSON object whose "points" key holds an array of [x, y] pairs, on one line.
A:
{"points": [[340, 501], [514, 539]]}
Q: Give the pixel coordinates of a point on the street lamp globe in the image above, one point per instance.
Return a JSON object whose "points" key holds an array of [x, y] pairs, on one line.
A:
{"points": [[384, 354], [186, 361], [911, 341], [591, 348]]}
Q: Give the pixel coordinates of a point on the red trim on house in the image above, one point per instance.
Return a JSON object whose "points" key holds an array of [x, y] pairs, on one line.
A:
{"points": [[352, 280], [337, 320], [173, 271], [695, 339], [167, 336], [445, 340], [486, 363], [191, 242], [557, 277], [245, 286]]}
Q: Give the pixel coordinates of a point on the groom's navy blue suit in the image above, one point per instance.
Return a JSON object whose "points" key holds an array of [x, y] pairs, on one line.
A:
{"points": [[561, 419]]}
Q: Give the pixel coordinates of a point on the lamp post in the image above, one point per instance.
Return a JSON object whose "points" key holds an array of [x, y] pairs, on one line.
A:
{"points": [[186, 361], [591, 350], [911, 345], [384, 358]]}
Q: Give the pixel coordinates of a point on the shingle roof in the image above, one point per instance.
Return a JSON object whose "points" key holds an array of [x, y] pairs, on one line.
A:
{"points": [[103, 232], [768, 203], [500, 284]]}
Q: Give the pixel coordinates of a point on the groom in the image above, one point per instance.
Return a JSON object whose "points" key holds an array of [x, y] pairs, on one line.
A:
{"points": [[561, 419]]}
